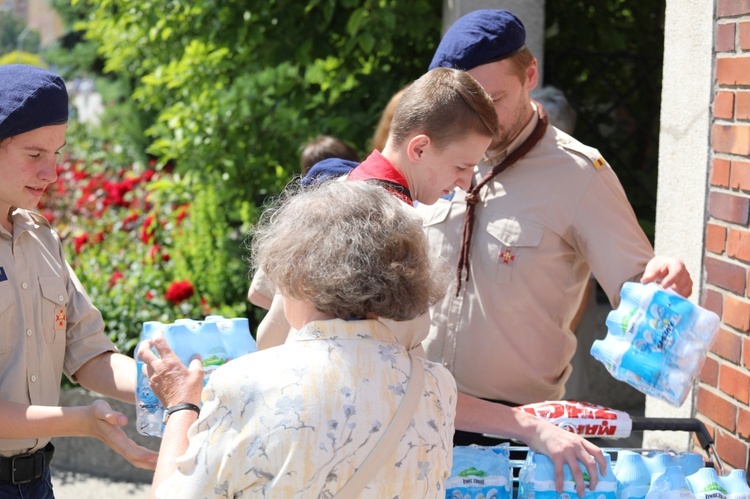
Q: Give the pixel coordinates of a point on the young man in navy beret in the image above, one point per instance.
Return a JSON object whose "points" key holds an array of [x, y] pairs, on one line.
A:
{"points": [[50, 326], [543, 213]]}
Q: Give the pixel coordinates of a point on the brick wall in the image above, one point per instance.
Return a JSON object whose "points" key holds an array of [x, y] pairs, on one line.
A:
{"points": [[723, 393]]}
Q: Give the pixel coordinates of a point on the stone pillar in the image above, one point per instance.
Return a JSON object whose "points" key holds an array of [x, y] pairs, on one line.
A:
{"points": [[683, 162], [531, 13]]}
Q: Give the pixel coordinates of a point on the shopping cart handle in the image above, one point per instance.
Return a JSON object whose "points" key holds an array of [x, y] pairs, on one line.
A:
{"points": [[675, 424]]}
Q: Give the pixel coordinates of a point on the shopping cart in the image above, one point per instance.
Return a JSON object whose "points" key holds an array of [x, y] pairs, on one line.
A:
{"points": [[593, 421]]}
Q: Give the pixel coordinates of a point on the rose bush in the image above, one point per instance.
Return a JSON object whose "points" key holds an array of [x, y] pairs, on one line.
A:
{"points": [[145, 243]]}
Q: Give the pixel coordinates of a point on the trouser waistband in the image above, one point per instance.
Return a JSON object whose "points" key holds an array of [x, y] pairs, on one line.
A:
{"points": [[25, 467]]}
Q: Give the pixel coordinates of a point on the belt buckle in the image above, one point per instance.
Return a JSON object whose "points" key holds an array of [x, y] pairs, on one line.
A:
{"points": [[23, 459]]}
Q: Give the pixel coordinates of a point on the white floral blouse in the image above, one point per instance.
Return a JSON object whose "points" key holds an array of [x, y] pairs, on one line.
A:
{"points": [[298, 419]]}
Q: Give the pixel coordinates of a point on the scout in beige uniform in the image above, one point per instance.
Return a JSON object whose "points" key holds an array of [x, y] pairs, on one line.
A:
{"points": [[544, 211], [49, 325], [532, 253]]}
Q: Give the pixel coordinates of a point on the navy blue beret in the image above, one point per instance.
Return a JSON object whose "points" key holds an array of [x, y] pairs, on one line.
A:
{"points": [[328, 169], [480, 37], [30, 98]]}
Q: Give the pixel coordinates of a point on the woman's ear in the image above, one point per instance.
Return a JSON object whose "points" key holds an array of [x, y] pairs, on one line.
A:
{"points": [[416, 147]]}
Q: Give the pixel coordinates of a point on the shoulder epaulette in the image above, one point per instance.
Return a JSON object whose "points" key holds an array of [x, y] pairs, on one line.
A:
{"points": [[590, 153]]}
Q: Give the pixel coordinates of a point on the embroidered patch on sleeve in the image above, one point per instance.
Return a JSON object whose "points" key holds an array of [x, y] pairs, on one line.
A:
{"points": [[599, 162], [61, 318], [3, 275]]}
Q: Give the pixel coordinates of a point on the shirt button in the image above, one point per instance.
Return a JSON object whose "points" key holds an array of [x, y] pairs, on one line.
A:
{"points": [[33, 378], [25, 285], [61, 297], [28, 332]]}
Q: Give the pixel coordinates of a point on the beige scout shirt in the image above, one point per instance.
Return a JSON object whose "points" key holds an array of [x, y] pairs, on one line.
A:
{"points": [[541, 227], [49, 325]]}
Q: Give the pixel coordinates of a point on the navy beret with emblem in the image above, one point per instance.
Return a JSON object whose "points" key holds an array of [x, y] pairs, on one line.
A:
{"points": [[30, 98], [480, 37]]}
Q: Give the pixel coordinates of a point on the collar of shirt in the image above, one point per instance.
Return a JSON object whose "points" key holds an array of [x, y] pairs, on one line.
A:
{"points": [[492, 159], [377, 167], [339, 329], [22, 222]]}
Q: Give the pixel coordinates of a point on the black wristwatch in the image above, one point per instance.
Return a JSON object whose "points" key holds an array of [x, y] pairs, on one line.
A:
{"points": [[180, 407]]}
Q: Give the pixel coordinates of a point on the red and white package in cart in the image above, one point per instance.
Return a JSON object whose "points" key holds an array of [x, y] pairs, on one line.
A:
{"points": [[583, 418]]}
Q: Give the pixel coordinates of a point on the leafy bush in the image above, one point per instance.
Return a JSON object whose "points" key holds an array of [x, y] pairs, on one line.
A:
{"points": [[232, 89], [132, 233]]}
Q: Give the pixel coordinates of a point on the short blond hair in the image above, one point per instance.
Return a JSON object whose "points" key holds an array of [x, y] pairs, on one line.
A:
{"points": [[445, 104]]}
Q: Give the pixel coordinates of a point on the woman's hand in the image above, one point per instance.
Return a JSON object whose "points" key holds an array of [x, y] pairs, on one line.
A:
{"points": [[170, 380]]}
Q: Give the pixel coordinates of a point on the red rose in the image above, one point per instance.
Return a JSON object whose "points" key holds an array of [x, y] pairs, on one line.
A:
{"points": [[154, 251], [148, 229], [205, 306], [181, 214], [116, 276], [79, 241], [128, 221], [179, 291]]}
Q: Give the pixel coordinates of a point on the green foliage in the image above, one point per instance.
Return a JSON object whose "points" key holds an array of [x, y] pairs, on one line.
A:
{"points": [[212, 254], [234, 89], [14, 34], [128, 230], [606, 55]]}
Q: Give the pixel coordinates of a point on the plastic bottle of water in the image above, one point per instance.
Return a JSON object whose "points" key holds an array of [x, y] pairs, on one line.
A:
{"points": [[669, 484], [707, 484], [480, 472], [633, 477], [658, 461], [217, 340], [735, 482], [691, 462], [537, 480], [656, 341]]}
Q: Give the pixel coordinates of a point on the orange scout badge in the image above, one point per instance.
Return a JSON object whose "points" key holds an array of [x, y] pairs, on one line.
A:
{"points": [[61, 318]]}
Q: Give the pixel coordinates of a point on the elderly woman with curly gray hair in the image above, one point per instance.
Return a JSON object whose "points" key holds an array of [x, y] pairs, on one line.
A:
{"points": [[341, 409]]}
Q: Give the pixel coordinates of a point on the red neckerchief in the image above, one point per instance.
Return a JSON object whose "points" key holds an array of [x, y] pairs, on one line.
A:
{"points": [[376, 168]]}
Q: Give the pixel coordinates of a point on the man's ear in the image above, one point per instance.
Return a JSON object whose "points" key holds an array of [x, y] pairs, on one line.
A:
{"points": [[532, 75], [416, 148]]}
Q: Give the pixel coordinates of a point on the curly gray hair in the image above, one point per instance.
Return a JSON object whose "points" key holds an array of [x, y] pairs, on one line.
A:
{"points": [[350, 248]]}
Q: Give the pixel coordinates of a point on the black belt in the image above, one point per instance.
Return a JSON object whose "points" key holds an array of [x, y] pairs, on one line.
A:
{"points": [[25, 467]]}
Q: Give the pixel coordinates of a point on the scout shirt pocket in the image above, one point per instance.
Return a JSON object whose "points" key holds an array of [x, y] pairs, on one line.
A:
{"points": [[432, 218], [512, 241], [8, 337], [54, 308]]}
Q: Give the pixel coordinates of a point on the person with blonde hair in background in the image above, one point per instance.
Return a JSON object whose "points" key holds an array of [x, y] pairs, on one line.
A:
{"points": [[380, 136]]}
